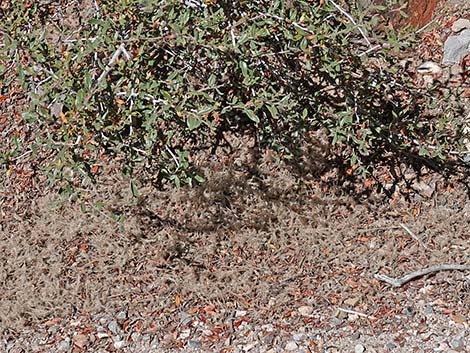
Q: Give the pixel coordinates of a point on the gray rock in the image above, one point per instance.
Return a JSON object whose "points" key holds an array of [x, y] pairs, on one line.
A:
{"points": [[136, 337], [268, 339], [299, 337], [460, 24], [121, 316], [359, 348], [391, 346], [119, 344], [428, 309], [409, 311], [64, 346], [193, 344], [185, 318], [291, 346], [113, 326], [457, 343], [456, 47]]}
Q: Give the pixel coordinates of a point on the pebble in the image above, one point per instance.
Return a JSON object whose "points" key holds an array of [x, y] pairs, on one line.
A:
{"points": [[409, 311], [305, 310], [185, 334], [184, 317], [428, 309], [359, 348], [269, 339], [291, 346], [136, 337], [101, 335], [457, 343], [113, 327], [121, 316], [460, 24], [64, 346], [391, 346], [299, 337], [193, 344], [248, 347], [119, 344], [240, 313], [352, 301]]}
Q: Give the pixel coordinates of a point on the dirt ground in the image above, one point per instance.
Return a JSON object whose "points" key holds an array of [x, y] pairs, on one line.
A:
{"points": [[254, 260]]}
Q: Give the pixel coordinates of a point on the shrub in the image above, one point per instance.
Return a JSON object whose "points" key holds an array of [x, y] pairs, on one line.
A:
{"points": [[150, 83]]}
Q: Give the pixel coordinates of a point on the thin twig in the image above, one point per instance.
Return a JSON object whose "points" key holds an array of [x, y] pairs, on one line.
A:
{"points": [[172, 156], [295, 24], [108, 68], [414, 236], [357, 313], [376, 229], [350, 18], [399, 282]]}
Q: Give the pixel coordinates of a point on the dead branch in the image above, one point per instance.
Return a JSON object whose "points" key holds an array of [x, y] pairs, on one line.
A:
{"points": [[414, 236], [399, 282]]}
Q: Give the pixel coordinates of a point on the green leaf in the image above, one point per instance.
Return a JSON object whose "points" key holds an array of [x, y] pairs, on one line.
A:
{"points": [[273, 110], [193, 122], [251, 115], [135, 191], [244, 68]]}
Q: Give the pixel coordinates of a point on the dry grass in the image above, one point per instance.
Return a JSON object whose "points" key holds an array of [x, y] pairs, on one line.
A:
{"points": [[257, 240]]}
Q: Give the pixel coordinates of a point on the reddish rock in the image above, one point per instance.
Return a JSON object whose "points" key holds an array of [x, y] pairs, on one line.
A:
{"points": [[420, 13]]}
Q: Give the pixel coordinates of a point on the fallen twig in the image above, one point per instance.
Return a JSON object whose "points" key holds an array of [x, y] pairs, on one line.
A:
{"points": [[413, 235], [357, 313], [398, 282]]}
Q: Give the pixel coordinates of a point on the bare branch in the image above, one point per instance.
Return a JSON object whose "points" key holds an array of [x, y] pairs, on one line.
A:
{"points": [[399, 282], [350, 18]]}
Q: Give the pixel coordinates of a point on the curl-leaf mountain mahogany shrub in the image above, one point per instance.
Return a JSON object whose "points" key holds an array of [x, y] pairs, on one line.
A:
{"points": [[151, 83]]}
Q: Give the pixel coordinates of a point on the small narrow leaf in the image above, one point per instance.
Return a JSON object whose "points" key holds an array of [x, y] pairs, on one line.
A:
{"points": [[273, 110], [135, 191], [251, 115], [193, 122], [244, 68]]}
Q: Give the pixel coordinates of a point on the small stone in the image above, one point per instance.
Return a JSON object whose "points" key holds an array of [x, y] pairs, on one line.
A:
{"points": [[457, 343], [353, 317], [184, 317], [240, 313], [409, 311], [185, 334], [299, 337], [193, 344], [305, 310], [351, 301], [248, 347], [121, 316], [391, 346], [136, 337], [119, 344], [167, 338], [113, 327], [430, 68], [336, 322], [80, 340], [359, 348], [64, 346], [428, 309], [456, 70], [460, 24], [291, 346], [269, 339], [102, 335]]}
